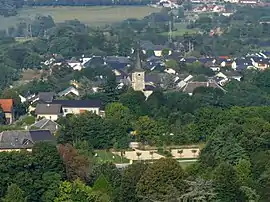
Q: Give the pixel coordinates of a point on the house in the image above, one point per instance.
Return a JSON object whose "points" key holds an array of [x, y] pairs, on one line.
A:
{"points": [[188, 60], [69, 91], [241, 64], [233, 75], [75, 65], [170, 71], [78, 106], [122, 78], [23, 140], [260, 63], [42, 97], [215, 68], [49, 111], [94, 60], [183, 82], [117, 62], [46, 124], [191, 86], [147, 46], [7, 106]]}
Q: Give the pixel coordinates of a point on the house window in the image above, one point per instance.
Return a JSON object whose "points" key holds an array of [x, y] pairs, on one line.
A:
{"points": [[65, 110], [139, 74]]}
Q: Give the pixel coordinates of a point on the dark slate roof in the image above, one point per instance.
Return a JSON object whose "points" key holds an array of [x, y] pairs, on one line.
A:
{"points": [[46, 96], [46, 124], [41, 135], [266, 53], [153, 58], [191, 86], [119, 59], [78, 103], [49, 108], [17, 139], [243, 61], [260, 60], [205, 60], [138, 63], [117, 65], [231, 73], [66, 91], [241, 67], [188, 60], [95, 60], [148, 45], [149, 87], [155, 78]]}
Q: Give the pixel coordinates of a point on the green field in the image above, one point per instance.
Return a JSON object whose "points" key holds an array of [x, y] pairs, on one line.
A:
{"points": [[181, 30], [96, 15]]}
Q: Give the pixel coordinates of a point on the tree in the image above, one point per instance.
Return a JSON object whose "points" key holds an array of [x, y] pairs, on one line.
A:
{"points": [[130, 178], [172, 64], [243, 172], [112, 175], [119, 114], [75, 191], [14, 194], [102, 186], [180, 152], [163, 180], [76, 166], [138, 154], [217, 148], [194, 151], [146, 129], [134, 100], [200, 190], [45, 154], [86, 127], [227, 190]]}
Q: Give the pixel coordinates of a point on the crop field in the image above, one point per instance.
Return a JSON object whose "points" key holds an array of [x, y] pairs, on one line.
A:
{"points": [[95, 15]]}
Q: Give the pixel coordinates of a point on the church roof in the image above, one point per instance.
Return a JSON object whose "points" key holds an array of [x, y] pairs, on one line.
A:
{"points": [[138, 63]]}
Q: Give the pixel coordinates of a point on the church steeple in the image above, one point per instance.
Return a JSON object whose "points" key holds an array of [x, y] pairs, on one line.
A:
{"points": [[138, 83], [138, 62]]}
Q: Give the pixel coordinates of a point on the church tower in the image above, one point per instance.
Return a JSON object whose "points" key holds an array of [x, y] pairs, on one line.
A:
{"points": [[138, 76]]}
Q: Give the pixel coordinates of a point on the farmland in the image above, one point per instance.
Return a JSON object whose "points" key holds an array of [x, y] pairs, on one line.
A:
{"points": [[96, 15]]}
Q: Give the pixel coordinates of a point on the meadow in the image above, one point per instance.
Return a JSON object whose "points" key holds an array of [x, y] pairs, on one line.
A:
{"points": [[95, 15], [181, 30]]}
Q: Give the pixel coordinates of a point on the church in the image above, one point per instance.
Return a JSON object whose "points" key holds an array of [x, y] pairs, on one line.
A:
{"points": [[138, 78]]}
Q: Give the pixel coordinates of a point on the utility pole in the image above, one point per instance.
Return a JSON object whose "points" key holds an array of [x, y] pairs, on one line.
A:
{"points": [[170, 32]]}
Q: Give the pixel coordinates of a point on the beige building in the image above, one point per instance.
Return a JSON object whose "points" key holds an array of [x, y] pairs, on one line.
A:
{"points": [[58, 108], [49, 111], [138, 78]]}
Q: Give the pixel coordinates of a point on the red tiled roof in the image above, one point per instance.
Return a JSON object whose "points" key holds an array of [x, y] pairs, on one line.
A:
{"points": [[224, 57], [6, 104]]}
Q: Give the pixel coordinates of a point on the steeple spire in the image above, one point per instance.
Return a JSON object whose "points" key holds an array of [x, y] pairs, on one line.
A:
{"points": [[138, 62]]}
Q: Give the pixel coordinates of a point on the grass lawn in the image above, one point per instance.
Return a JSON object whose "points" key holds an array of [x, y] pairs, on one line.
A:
{"points": [[104, 156], [186, 164], [181, 30], [95, 15]]}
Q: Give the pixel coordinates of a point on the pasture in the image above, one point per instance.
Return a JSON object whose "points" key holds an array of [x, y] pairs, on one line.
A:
{"points": [[95, 15]]}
